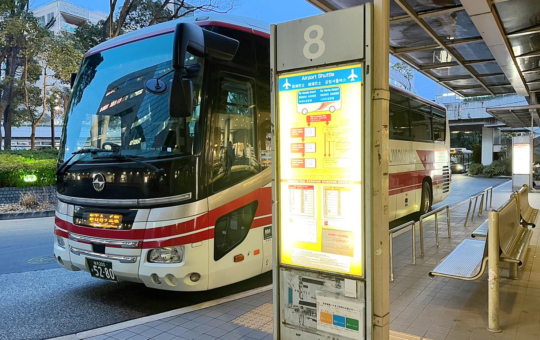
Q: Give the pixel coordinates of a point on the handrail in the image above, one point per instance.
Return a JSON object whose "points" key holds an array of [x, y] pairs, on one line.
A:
{"points": [[475, 198], [421, 221], [490, 195], [391, 233]]}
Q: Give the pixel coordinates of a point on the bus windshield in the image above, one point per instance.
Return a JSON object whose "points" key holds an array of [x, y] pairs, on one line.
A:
{"points": [[111, 109]]}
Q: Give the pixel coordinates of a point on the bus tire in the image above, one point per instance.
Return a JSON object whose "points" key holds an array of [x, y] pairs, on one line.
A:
{"points": [[425, 203]]}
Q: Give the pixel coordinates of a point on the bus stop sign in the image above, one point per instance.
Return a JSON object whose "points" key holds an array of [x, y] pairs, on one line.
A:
{"points": [[318, 104]]}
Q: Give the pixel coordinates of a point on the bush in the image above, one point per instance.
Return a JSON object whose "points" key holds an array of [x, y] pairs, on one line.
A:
{"points": [[476, 156], [501, 167], [475, 169], [16, 166]]}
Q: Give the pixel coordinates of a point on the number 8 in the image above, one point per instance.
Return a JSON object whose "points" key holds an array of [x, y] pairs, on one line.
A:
{"points": [[310, 41]]}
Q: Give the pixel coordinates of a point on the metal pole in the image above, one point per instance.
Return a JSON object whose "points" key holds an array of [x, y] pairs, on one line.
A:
{"points": [[414, 244], [421, 222], [436, 230], [391, 247], [491, 200], [448, 221], [468, 211], [493, 272], [481, 207], [474, 208], [513, 270], [379, 313]]}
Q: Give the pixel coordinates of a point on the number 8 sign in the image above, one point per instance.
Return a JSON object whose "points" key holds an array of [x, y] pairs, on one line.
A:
{"points": [[311, 41]]}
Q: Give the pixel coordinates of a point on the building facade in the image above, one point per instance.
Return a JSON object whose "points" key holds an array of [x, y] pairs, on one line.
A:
{"points": [[65, 16]]}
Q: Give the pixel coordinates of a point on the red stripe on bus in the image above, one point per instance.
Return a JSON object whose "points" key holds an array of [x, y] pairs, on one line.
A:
{"points": [[135, 234], [60, 232]]}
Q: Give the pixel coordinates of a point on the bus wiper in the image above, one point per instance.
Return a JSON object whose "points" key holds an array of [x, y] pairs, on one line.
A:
{"points": [[66, 165], [133, 159]]}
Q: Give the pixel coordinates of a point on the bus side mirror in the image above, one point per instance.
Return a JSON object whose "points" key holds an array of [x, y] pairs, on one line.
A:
{"points": [[72, 79], [181, 97]]}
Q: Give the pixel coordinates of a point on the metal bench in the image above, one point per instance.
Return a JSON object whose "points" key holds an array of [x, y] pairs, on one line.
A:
{"points": [[529, 214], [482, 230], [506, 240]]}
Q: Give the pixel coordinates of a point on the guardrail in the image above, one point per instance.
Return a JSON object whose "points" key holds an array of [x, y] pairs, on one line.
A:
{"points": [[490, 194], [475, 198], [391, 233], [421, 222]]}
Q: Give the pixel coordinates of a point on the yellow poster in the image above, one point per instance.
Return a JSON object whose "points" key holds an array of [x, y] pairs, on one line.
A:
{"points": [[320, 156]]}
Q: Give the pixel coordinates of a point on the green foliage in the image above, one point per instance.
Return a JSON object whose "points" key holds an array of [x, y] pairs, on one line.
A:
{"points": [[407, 73], [501, 167], [476, 156], [16, 164], [88, 35], [475, 169], [460, 139]]}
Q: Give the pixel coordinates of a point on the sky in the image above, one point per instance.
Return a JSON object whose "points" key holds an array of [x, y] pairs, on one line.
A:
{"points": [[271, 11]]}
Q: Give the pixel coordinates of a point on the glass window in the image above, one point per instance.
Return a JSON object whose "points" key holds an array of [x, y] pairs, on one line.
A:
{"points": [[232, 229], [233, 130], [438, 129], [398, 98], [399, 122], [50, 16], [439, 112], [419, 105], [420, 126], [263, 102]]}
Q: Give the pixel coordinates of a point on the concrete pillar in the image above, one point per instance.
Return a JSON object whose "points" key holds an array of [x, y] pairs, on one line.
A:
{"points": [[487, 146]]}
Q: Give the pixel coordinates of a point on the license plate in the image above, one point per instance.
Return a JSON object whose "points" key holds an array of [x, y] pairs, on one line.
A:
{"points": [[101, 270]]}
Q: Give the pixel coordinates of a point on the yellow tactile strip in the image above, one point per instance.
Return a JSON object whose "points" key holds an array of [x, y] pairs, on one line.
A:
{"points": [[404, 336], [261, 318]]}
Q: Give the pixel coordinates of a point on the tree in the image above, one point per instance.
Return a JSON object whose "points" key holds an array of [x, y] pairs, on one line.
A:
{"points": [[58, 58], [407, 73]]}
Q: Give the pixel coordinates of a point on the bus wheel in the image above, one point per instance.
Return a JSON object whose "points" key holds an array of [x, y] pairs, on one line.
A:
{"points": [[425, 204]]}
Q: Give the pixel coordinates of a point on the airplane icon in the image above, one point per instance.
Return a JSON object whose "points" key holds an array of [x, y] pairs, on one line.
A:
{"points": [[287, 85], [353, 76]]}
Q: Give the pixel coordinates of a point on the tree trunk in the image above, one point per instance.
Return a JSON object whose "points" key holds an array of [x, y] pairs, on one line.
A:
{"points": [[7, 94], [53, 144], [33, 137], [7, 127]]}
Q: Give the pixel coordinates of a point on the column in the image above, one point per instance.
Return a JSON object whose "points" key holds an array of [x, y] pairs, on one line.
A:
{"points": [[487, 146]]}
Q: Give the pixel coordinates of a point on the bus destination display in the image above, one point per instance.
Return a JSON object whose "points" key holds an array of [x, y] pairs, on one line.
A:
{"points": [[321, 172]]}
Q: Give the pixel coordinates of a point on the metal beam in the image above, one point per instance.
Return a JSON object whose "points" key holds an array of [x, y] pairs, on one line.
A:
{"points": [[401, 50], [530, 30], [430, 76], [484, 16], [410, 11], [531, 70], [452, 63], [405, 18], [444, 80], [322, 5], [530, 54]]}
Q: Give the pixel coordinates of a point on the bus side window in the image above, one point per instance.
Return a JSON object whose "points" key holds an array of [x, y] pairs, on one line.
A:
{"points": [[438, 129], [262, 48], [421, 126], [400, 127], [232, 229], [233, 145]]}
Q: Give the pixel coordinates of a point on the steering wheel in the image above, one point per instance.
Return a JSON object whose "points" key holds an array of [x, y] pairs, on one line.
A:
{"points": [[111, 146]]}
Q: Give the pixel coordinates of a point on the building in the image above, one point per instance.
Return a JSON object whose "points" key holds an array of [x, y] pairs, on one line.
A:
{"points": [[66, 16], [469, 115]]}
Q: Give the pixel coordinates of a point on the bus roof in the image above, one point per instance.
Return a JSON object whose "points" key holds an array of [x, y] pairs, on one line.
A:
{"points": [[224, 20], [410, 94]]}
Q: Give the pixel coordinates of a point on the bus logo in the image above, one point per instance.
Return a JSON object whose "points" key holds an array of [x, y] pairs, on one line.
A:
{"points": [[99, 182]]}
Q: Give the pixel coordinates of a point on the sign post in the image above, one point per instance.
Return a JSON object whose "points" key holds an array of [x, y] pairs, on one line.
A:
{"points": [[323, 181]]}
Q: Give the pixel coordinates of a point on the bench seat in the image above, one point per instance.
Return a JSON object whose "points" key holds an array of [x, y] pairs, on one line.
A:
{"points": [[482, 230], [466, 262]]}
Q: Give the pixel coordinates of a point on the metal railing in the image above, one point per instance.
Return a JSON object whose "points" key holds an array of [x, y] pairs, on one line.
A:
{"points": [[489, 194], [475, 198], [391, 233], [421, 222]]}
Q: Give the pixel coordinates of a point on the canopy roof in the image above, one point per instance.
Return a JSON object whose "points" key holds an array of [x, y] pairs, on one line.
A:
{"points": [[471, 47], [517, 116]]}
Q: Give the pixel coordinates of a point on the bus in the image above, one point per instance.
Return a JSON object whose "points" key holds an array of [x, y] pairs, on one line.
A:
{"points": [[460, 159], [164, 174], [419, 161]]}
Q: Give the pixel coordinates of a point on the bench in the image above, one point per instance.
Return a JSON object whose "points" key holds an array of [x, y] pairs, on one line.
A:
{"points": [[506, 240], [482, 230], [529, 215]]}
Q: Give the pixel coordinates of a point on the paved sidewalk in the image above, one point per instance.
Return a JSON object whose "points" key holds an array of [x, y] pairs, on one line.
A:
{"points": [[421, 308]]}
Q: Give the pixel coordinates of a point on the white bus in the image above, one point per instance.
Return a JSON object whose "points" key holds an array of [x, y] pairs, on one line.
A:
{"points": [[460, 159], [419, 161], [164, 174]]}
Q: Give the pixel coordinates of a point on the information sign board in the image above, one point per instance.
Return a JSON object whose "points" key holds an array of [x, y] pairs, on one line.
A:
{"points": [[521, 156], [320, 169]]}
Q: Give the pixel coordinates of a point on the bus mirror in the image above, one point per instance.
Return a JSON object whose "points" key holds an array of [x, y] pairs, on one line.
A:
{"points": [[72, 79], [220, 46], [181, 96], [187, 38]]}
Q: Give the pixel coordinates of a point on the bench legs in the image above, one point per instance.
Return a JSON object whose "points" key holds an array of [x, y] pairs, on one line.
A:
{"points": [[513, 271]]}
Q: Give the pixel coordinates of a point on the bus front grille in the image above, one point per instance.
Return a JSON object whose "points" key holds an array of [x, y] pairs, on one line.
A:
{"points": [[446, 179]]}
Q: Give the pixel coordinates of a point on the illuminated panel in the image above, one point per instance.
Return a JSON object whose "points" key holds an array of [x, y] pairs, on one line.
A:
{"points": [[521, 156], [99, 220], [320, 167]]}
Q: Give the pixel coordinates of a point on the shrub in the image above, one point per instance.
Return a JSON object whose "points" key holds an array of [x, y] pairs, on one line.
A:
{"points": [[499, 167], [33, 154], [14, 169], [475, 169], [476, 156], [29, 200]]}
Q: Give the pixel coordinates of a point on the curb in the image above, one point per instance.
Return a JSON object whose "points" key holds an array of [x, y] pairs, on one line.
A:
{"points": [[30, 214], [164, 315]]}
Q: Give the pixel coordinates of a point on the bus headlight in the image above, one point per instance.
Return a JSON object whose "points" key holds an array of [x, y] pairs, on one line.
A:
{"points": [[167, 255], [459, 167]]}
